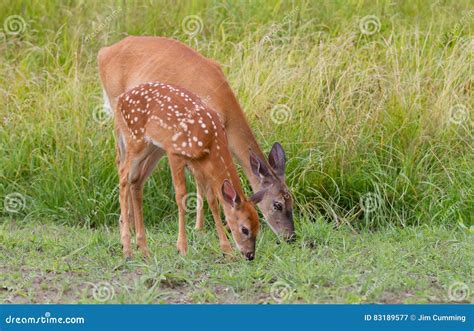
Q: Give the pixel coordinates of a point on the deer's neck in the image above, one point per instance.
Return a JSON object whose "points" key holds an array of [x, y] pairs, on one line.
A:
{"points": [[242, 140]]}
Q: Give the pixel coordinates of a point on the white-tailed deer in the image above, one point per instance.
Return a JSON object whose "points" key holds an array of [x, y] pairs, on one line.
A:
{"points": [[137, 60], [157, 118]]}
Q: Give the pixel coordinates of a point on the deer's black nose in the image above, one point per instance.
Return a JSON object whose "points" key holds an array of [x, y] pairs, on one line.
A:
{"points": [[250, 256]]}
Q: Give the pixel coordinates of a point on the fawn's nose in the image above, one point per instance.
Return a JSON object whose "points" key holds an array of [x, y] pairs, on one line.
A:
{"points": [[250, 256], [290, 238]]}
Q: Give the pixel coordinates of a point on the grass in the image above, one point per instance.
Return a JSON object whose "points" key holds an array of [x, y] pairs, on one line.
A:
{"points": [[381, 119], [51, 263]]}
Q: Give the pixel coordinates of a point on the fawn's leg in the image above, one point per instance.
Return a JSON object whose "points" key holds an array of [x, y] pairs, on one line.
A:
{"points": [[124, 212], [136, 189], [131, 214], [199, 206], [120, 157], [179, 182], [214, 206], [136, 194]]}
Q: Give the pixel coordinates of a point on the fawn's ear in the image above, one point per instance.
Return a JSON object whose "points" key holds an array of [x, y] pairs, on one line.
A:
{"points": [[257, 197], [228, 193], [277, 159], [259, 167]]}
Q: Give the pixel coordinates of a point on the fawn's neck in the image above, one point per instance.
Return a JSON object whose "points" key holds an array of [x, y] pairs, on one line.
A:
{"points": [[220, 166]]}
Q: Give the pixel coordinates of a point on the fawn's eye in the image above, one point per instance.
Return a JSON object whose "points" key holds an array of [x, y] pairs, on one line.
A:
{"points": [[245, 231], [277, 205]]}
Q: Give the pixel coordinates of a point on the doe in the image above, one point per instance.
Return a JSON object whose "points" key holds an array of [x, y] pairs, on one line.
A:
{"points": [[156, 118]]}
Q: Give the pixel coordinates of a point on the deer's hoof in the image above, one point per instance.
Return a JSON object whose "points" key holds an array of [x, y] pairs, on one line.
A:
{"points": [[182, 248], [226, 250], [145, 253]]}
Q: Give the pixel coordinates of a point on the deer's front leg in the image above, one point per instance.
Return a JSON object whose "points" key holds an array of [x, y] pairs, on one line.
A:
{"points": [[179, 182], [223, 241]]}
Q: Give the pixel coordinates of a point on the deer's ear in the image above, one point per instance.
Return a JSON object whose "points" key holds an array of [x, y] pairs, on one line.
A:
{"points": [[257, 197], [228, 193], [277, 159], [258, 167]]}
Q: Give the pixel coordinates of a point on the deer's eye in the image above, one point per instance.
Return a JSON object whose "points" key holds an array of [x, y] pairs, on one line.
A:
{"points": [[245, 231], [277, 205]]}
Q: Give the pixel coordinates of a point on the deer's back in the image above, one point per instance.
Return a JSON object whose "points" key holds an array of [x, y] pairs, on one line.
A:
{"points": [[137, 60]]}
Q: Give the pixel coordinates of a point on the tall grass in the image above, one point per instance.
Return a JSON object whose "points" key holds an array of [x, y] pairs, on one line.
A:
{"points": [[367, 117]]}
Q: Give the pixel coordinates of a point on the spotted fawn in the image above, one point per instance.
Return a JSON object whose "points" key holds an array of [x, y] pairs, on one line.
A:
{"points": [[157, 118]]}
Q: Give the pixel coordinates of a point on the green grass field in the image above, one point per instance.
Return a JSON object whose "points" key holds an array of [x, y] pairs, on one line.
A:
{"points": [[372, 101], [57, 263]]}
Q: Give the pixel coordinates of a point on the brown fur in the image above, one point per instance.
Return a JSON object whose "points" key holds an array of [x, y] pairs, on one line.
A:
{"points": [[153, 118], [137, 60]]}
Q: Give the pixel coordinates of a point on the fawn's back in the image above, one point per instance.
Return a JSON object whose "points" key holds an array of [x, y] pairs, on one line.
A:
{"points": [[169, 117]]}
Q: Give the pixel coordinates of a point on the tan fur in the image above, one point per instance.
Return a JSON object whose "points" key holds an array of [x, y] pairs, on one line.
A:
{"points": [[137, 60], [154, 118]]}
